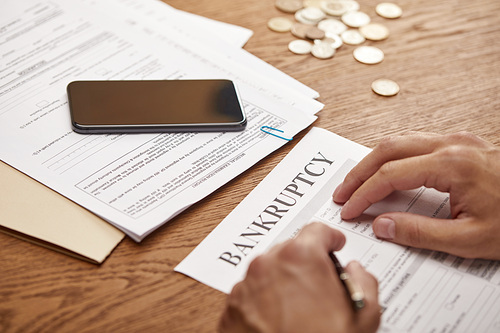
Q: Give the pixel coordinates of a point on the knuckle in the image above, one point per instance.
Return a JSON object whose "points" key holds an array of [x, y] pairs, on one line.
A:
{"points": [[414, 235], [462, 160], [292, 250], [454, 153], [258, 266], [463, 136], [412, 133], [387, 169], [236, 294], [313, 228], [387, 144], [474, 240], [467, 139], [300, 251]]}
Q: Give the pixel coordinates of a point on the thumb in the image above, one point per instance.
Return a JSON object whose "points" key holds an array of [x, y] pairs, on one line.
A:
{"points": [[419, 231]]}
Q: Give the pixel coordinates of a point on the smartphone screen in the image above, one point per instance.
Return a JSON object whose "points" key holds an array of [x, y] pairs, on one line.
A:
{"points": [[155, 106]]}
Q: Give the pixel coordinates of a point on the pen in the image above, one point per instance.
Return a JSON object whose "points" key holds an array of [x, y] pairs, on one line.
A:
{"points": [[353, 290]]}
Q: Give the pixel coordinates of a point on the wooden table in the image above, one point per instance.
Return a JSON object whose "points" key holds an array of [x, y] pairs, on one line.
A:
{"points": [[445, 55]]}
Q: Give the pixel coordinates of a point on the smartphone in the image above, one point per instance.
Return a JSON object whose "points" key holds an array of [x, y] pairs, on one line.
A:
{"points": [[155, 106]]}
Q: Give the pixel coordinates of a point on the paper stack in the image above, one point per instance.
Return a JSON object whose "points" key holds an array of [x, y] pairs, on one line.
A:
{"points": [[134, 182]]}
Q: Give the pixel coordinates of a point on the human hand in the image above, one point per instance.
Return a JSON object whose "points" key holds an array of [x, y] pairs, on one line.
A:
{"points": [[465, 166], [295, 288]]}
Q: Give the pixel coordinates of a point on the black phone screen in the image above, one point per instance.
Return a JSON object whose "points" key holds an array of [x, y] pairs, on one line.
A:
{"points": [[155, 106]]}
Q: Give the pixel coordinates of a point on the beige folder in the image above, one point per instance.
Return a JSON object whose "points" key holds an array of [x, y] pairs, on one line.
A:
{"points": [[34, 212]]}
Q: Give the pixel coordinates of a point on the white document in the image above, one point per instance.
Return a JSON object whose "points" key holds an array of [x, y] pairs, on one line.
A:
{"points": [[420, 290], [136, 182], [156, 17], [163, 13]]}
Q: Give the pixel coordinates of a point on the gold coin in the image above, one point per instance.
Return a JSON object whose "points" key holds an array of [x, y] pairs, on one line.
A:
{"points": [[388, 10], [385, 87], [368, 55], [374, 31], [280, 24]]}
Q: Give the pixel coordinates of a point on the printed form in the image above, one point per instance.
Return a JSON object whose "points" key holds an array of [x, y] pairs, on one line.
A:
{"points": [[420, 290], [136, 182], [139, 11]]}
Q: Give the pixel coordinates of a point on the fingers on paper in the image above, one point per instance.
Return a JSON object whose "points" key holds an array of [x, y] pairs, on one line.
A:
{"points": [[443, 148], [462, 237], [389, 149], [405, 174]]}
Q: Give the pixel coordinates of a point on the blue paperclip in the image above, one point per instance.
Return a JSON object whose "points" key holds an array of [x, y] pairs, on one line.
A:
{"points": [[263, 129]]}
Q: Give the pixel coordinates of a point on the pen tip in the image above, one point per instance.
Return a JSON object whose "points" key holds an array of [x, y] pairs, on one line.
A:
{"points": [[359, 304]]}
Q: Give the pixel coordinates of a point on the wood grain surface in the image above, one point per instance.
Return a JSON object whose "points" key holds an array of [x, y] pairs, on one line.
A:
{"points": [[445, 55]]}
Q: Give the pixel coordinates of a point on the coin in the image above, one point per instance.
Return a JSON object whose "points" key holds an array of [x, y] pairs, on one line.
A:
{"points": [[300, 46], [385, 87], [280, 24], [313, 14], [368, 55], [299, 30], [299, 16], [334, 40], [352, 37], [288, 6], [312, 3], [388, 10], [374, 31], [315, 33], [334, 8], [332, 25], [322, 50], [355, 19], [338, 7], [351, 5]]}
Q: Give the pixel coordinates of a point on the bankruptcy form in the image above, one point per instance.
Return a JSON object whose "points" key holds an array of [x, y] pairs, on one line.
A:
{"points": [[420, 290], [136, 182]]}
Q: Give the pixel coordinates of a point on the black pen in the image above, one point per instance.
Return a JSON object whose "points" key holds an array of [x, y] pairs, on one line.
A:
{"points": [[353, 290]]}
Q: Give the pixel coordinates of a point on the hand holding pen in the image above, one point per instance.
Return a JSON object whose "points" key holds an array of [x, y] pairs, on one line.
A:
{"points": [[294, 287], [354, 292]]}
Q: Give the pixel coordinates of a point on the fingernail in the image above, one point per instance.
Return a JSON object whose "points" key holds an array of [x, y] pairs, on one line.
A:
{"points": [[385, 228], [345, 209]]}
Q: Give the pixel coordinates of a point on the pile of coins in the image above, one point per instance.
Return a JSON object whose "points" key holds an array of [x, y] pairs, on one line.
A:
{"points": [[323, 26]]}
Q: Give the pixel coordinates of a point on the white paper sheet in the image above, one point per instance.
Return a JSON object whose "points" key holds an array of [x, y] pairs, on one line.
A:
{"points": [[196, 25], [136, 182], [420, 291], [154, 15]]}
